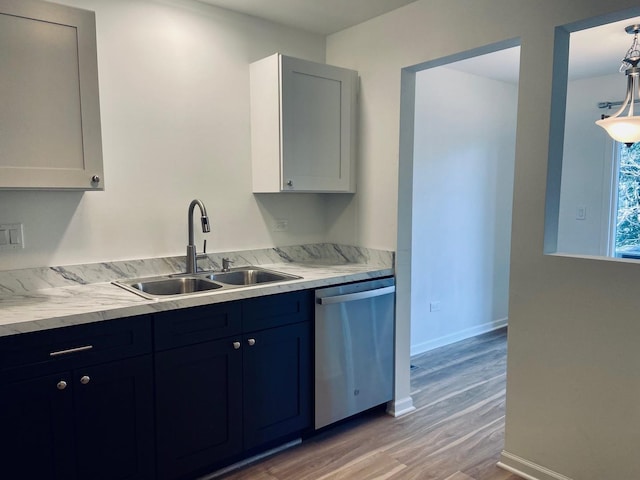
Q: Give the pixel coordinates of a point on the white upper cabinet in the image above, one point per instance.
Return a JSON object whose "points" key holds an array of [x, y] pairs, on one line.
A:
{"points": [[50, 117], [303, 126]]}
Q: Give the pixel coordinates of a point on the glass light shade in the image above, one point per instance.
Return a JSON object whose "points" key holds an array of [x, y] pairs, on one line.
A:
{"points": [[622, 129]]}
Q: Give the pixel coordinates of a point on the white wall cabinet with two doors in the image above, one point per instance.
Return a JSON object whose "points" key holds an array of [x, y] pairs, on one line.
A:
{"points": [[303, 126]]}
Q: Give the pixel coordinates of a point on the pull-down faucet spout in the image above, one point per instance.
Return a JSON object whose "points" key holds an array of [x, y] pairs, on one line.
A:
{"points": [[192, 266]]}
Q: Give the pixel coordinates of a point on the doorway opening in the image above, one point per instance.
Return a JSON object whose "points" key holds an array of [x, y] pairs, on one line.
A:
{"points": [[457, 160]]}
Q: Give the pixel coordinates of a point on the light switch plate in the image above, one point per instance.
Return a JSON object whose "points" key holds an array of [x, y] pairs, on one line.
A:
{"points": [[11, 236]]}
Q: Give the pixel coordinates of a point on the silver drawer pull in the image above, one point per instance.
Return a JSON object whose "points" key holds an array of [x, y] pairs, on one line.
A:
{"points": [[61, 385], [71, 350], [85, 379], [236, 345], [251, 342]]}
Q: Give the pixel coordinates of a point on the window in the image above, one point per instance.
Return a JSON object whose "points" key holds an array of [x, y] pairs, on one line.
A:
{"points": [[627, 202]]}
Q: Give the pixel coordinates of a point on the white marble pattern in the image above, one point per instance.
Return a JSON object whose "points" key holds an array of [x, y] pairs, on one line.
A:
{"points": [[43, 298], [20, 281]]}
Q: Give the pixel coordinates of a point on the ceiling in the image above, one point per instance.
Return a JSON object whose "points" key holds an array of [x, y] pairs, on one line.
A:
{"points": [[318, 16], [593, 52], [599, 50]]}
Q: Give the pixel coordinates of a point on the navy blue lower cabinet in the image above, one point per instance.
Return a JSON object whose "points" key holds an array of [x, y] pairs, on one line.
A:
{"points": [[277, 384], [198, 407], [243, 385], [114, 420], [216, 399], [37, 430], [93, 422], [77, 403]]}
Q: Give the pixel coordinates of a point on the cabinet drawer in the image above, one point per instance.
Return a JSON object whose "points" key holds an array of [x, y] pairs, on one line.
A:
{"points": [[39, 353], [196, 325], [276, 310]]}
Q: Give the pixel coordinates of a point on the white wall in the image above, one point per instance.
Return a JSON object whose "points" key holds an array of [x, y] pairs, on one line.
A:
{"points": [[174, 98], [573, 361], [586, 166], [464, 149]]}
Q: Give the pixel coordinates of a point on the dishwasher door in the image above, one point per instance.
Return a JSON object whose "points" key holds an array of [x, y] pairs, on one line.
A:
{"points": [[354, 332]]}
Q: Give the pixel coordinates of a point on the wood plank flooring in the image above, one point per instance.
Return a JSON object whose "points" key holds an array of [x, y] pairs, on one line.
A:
{"points": [[455, 433]]}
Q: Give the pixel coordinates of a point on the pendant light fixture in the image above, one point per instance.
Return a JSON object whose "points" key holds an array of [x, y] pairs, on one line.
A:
{"points": [[626, 128]]}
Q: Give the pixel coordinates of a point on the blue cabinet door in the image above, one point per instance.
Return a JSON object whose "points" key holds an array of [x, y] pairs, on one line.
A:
{"points": [[114, 420], [277, 386], [198, 407], [37, 430]]}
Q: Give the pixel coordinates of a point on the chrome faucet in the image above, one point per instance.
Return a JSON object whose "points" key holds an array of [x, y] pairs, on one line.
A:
{"points": [[192, 265]]}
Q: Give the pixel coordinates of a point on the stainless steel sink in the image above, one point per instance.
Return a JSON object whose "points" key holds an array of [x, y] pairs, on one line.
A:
{"points": [[249, 276], [157, 287], [187, 284]]}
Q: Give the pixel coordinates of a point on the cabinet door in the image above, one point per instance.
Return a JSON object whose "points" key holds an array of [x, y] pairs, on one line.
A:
{"points": [[50, 115], [276, 373], [114, 420], [37, 429], [198, 407], [318, 126]]}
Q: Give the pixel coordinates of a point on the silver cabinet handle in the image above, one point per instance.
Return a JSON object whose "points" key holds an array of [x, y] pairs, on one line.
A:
{"points": [[349, 297], [85, 379], [70, 350], [236, 345], [61, 385], [251, 342]]}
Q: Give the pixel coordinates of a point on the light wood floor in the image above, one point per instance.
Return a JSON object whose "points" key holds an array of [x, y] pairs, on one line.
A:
{"points": [[456, 432]]}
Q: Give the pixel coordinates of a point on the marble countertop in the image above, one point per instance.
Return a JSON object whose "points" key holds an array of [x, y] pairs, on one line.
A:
{"points": [[44, 308]]}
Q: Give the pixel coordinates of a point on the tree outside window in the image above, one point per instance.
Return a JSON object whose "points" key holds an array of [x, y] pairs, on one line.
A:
{"points": [[627, 233]]}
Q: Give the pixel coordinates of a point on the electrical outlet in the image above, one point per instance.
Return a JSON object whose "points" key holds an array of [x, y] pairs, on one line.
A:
{"points": [[280, 225], [581, 212], [434, 306]]}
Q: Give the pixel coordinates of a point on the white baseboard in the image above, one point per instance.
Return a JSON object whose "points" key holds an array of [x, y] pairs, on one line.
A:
{"points": [[397, 408], [457, 336], [526, 469]]}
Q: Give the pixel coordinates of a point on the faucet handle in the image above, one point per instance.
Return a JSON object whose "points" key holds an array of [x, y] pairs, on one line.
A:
{"points": [[225, 264], [205, 224]]}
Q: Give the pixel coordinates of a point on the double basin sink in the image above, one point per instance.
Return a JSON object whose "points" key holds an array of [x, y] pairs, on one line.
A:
{"points": [[186, 284]]}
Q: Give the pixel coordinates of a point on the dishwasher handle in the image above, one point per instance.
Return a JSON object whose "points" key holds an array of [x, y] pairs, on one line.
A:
{"points": [[350, 297]]}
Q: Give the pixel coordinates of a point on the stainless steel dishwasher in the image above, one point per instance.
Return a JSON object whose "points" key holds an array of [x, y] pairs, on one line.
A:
{"points": [[354, 332]]}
